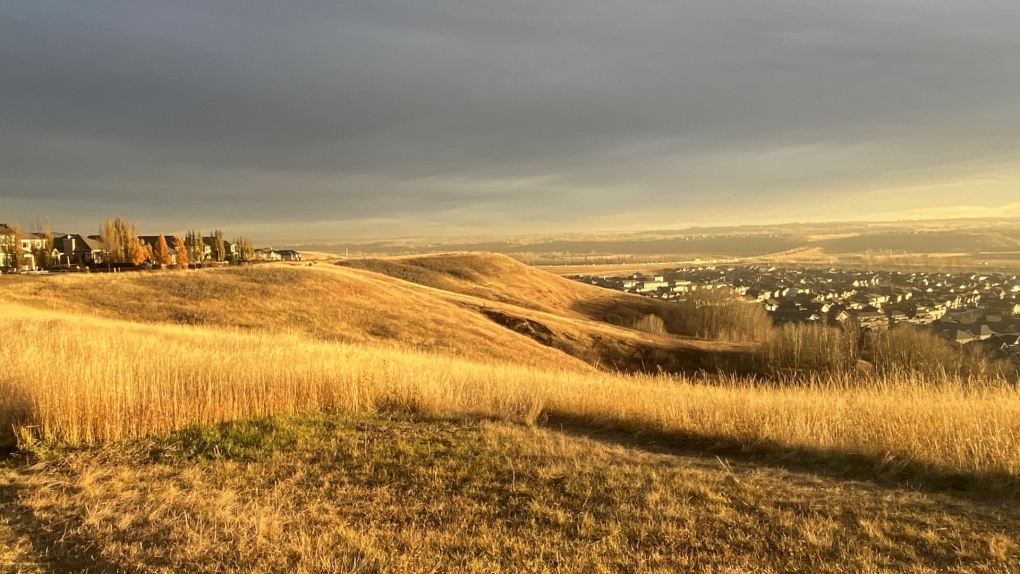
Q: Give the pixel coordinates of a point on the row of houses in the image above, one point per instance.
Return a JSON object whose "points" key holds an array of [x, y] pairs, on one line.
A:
{"points": [[964, 308], [27, 243], [76, 250], [270, 254]]}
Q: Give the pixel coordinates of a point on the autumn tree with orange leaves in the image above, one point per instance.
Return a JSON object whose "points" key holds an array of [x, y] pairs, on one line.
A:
{"points": [[181, 249], [139, 252], [162, 252]]}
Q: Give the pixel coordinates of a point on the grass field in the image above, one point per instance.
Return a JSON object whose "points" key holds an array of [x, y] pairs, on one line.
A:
{"points": [[149, 443], [411, 493]]}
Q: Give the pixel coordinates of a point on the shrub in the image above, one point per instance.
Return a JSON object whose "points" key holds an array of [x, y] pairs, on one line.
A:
{"points": [[650, 324], [719, 314], [907, 349], [803, 347]]}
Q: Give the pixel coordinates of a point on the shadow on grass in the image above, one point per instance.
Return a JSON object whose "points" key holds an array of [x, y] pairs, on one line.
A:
{"points": [[832, 464], [55, 546], [15, 408]]}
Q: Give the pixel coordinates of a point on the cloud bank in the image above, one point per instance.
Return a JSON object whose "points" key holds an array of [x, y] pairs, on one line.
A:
{"points": [[394, 117]]}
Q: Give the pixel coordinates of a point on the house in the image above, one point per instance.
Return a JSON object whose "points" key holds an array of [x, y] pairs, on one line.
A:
{"points": [[230, 250], [28, 243], [980, 331], [873, 320], [289, 255], [958, 336], [78, 250], [645, 287], [268, 254], [5, 242]]}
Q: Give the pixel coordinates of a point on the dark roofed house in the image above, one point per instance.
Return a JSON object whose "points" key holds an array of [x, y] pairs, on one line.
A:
{"points": [[289, 255], [980, 331], [154, 239], [76, 249]]}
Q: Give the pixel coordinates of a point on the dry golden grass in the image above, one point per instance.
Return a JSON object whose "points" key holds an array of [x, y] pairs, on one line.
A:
{"points": [[412, 494], [334, 304], [327, 302], [81, 380], [425, 461], [497, 278]]}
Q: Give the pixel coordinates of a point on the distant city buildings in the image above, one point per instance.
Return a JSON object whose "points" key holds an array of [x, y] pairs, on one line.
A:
{"points": [[964, 308]]}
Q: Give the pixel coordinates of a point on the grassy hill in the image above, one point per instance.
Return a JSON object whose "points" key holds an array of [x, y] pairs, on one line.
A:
{"points": [[491, 277], [327, 419], [482, 307]]}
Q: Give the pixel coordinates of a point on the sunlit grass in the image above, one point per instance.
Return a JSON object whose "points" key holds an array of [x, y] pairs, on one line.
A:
{"points": [[85, 380]]}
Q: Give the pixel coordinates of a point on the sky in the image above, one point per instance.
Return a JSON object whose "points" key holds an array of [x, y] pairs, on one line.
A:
{"points": [[377, 118]]}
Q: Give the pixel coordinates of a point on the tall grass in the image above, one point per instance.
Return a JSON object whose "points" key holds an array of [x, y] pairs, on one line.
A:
{"points": [[83, 380]]}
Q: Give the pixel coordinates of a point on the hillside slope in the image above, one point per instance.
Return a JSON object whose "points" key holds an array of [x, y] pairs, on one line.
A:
{"points": [[492, 277], [330, 304], [480, 307]]}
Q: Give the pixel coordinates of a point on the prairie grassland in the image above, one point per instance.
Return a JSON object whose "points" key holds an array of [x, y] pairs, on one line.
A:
{"points": [[85, 380], [399, 493], [326, 302], [334, 304], [385, 428]]}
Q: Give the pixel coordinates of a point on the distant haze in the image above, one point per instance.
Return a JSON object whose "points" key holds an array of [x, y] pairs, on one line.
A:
{"points": [[318, 120]]}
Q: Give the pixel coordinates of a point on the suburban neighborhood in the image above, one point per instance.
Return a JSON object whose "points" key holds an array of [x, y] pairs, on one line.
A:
{"points": [[22, 252], [964, 307]]}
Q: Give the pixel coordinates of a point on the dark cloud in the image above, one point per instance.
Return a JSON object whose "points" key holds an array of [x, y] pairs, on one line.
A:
{"points": [[491, 112]]}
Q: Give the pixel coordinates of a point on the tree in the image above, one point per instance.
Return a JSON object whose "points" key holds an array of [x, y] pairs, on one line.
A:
{"points": [[181, 249], [161, 253], [44, 255], [108, 237], [10, 241], [245, 250], [218, 252], [118, 236], [196, 246], [140, 252]]}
